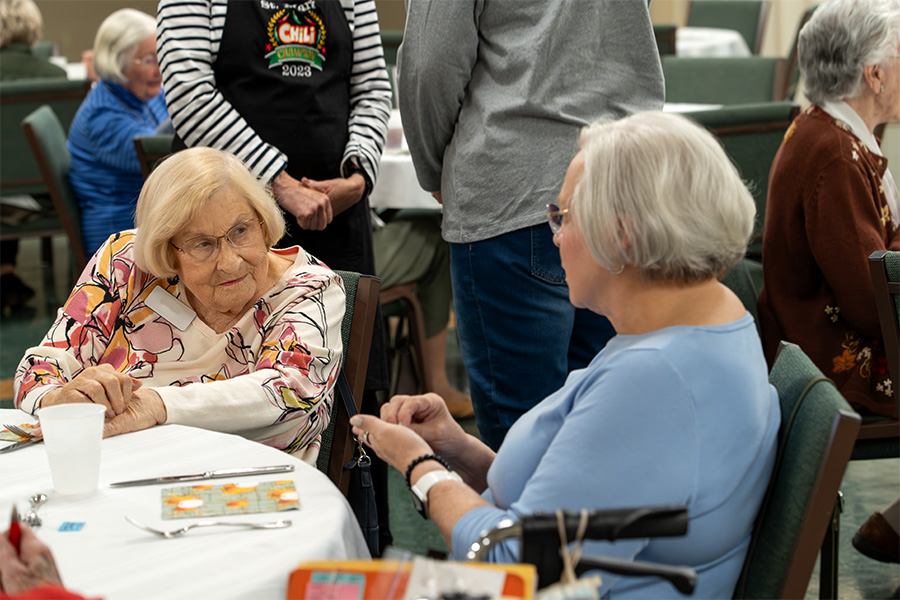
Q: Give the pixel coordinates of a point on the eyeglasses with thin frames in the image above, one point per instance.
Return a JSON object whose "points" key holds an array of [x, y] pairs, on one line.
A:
{"points": [[151, 60], [204, 247], [555, 217]]}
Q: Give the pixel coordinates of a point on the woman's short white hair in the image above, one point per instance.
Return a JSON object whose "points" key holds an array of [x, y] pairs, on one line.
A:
{"points": [[176, 193], [841, 38], [659, 193], [20, 22], [117, 40]]}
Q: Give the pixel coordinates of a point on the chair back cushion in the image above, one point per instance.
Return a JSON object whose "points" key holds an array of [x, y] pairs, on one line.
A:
{"points": [[19, 173], [722, 80], [751, 135], [50, 142], [747, 17], [814, 449]]}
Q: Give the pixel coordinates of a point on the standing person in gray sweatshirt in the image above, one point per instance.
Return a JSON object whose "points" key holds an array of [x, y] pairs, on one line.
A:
{"points": [[492, 96]]}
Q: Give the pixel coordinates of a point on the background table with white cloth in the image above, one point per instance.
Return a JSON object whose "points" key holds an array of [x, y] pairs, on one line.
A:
{"points": [[111, 559], [708, 41]]}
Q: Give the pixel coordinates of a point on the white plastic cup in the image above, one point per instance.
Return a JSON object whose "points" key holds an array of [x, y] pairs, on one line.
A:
{"points": [[72, 436]]}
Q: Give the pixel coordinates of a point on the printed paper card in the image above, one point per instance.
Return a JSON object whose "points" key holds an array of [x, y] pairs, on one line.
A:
{"points": [[8, 436], [206, 500]]}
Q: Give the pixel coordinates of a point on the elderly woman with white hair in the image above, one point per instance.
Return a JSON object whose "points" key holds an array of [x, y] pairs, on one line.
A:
{"points": [[677, 409], [832, 201], [194, 318], [125, 102]]}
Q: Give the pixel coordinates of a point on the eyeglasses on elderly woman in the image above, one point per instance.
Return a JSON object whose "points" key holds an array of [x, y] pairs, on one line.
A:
{"points": [[555, 217], [203, 247]]}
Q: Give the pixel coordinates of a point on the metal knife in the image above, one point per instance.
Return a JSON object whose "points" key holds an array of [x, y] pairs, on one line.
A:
{"points": [[207, 475], [19, 445]]}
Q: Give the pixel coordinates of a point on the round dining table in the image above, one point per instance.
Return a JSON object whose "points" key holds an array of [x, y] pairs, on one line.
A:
{"points": [[100, 555]]}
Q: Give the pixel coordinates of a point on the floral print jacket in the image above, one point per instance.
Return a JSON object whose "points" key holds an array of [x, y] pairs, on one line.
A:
{"points": [[268, 378], [826, 212]]}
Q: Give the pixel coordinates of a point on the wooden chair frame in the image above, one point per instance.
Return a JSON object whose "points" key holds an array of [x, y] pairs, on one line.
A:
{"points": [[414, 318], [356, 363]]}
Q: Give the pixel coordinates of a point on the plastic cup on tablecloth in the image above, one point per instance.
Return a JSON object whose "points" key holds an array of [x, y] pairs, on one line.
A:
{"points": [[72, 436]]}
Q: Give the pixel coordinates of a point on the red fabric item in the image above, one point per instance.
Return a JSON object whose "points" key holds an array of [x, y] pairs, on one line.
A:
{"points": [[45, 592]]}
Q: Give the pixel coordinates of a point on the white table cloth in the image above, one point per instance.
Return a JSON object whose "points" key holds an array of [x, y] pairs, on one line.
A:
{"points": [[112, 559], [397, 186], [707, 41]]}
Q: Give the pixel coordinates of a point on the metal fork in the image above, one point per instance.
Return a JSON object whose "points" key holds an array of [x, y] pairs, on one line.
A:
{"points": [[17, 430], [180, 532]]}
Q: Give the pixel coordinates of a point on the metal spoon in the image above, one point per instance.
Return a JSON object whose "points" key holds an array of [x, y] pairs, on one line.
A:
{"points": [[36, 500], [31, 518]]}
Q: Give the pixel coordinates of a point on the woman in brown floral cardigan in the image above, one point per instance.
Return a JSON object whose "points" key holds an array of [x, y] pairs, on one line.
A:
{"points": [[832, 202]]}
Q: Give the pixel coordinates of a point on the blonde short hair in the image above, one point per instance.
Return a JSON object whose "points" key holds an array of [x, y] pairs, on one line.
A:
{"points": [[176, 193], [20, 21], [117, 39], [660, 194]]}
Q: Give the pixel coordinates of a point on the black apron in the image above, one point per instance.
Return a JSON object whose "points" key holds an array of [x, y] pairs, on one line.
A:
{"points": [[285, 67]]}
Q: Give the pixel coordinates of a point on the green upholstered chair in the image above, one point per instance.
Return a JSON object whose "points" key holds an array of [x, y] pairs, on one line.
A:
{"points": [[356, 333], [45, 49], [745, 280], [47, 140], [723, 80], [792, 72], [151, 149], [747, 17], [815, 442], [751, 135], [665, 39], [19, 173]]}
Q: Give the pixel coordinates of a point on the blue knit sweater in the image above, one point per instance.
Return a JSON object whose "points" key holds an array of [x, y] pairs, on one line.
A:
{"points": [[104, 170]]}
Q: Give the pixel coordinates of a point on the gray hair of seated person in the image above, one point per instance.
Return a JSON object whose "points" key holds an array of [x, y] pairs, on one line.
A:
{"points": [[841, 38], [117, 40], [20, 22], [176, 193], [659, 193]]}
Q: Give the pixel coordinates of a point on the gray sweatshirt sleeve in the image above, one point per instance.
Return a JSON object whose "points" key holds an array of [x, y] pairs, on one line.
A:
{"points": [[434, 65]]}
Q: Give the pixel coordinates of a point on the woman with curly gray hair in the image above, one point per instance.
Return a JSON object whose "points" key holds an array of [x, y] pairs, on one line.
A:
{"points": [[127, 101], [832, 202]]}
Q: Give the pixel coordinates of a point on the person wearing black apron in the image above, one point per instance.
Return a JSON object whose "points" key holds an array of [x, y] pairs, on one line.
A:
{"points": [[285, 67]]}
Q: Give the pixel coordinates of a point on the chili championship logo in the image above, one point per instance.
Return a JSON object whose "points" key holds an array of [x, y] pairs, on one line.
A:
{"points": [[296, 38]]}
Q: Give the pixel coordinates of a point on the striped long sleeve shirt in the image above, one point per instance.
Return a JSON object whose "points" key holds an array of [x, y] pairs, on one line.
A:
{"points": [[189, 33]]}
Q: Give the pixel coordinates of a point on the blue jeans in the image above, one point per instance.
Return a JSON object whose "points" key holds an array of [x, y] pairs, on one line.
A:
{"points": [[519, 334]]}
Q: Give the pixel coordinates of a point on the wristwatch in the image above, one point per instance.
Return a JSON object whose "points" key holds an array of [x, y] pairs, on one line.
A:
{"points": [[424, 484]]}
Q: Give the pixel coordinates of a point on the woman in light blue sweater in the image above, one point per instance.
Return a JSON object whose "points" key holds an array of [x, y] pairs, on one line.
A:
{"points": [[127, 101], [677, 409]]}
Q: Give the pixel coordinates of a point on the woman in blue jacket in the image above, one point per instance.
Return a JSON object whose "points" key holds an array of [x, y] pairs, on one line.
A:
{"points": [[126, 101]]}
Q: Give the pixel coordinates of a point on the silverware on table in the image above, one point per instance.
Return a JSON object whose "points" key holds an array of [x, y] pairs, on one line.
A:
{"points": [[17, 430], [19, 445], [279, 524], [207, 475]]}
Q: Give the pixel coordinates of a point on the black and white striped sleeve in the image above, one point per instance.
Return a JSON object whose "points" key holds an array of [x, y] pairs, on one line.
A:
{"points": [[370, 91], [188, 34]]}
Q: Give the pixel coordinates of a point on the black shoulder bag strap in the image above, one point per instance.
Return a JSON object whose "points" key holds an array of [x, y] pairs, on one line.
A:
{"points": [[361, 493]]}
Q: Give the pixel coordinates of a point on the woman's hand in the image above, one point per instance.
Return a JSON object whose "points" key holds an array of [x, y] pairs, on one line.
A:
{"points": [[428, 416], [311, 207], [145, 410], [101, 385], [32, 567], [342, 192], [394, 444]]}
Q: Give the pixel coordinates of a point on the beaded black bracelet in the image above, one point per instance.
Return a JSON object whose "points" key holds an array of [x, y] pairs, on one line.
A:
{"points": [[422, 459]]}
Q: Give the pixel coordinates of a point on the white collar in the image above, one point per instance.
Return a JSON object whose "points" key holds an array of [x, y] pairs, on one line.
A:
{"points": [[841, 110]]}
